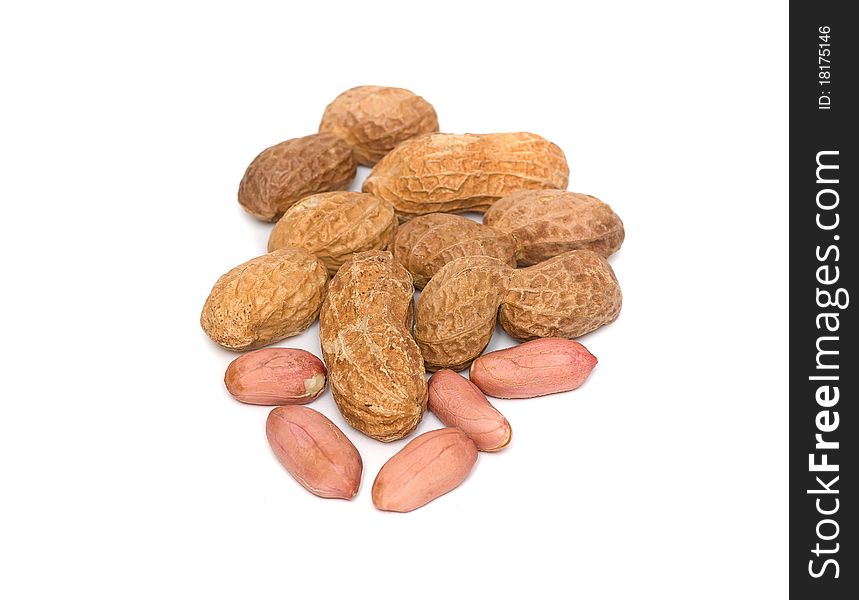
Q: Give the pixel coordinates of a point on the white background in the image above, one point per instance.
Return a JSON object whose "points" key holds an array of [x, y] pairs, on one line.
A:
{"points": [[128, 472]]}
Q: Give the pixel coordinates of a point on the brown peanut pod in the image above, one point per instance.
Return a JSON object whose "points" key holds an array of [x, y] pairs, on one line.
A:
{"points": [[535, 368], [374, 119], [425, 244], [566, 296], [456, 313], [429, 466], [274, 376], [375, 368], [282, 175], [265, 299], [457, 402], [546, 223], [336, 225], [445, 172], [314, 451]]}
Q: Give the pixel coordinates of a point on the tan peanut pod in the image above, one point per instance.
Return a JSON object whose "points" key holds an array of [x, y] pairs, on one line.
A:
{"points": [[546, 223], [427, 243], [265, 299], [431, 465], [457, 402], [314, 451], [456, 313], [375, 369], [373, 119], [336, 225], [444, 172], [566, 296], [282, 175]]}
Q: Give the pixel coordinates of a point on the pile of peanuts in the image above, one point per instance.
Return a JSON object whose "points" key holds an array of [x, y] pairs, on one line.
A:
{"points": [[536, 266]]}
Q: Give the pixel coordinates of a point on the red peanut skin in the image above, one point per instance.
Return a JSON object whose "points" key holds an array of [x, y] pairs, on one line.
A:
{"points": [[535, 368], [314, 451], [429, 466], [459, 403], [276, 376]]}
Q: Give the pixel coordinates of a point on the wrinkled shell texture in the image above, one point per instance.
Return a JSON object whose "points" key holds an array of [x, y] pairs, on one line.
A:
{"points": [[535, 368], [273, 376], [566, 296], [314, 451], [374, 366], [547, 223], [282, 175], [446, 172], [457, 402], [265, 299], [425, 244], [429, 466], [336, 225], [456, 313], [374, 119]]}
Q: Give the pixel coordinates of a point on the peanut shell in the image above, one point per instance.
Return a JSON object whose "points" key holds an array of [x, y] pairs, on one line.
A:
{"points": [[375, 368], [373, 119], [456, 313], [336, 225], [427, 243], [566, 296], [282, 175], [445, 172], [546, 223], [265, 299]]}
